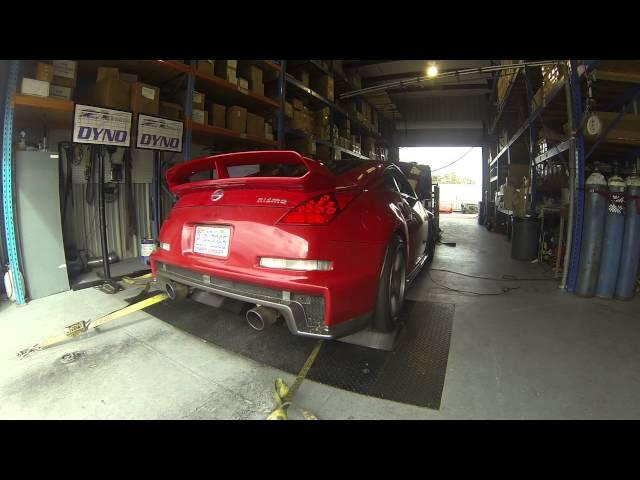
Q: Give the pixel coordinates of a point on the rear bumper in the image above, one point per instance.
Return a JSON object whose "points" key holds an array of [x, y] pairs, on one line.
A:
{"points": [[304, 314]]}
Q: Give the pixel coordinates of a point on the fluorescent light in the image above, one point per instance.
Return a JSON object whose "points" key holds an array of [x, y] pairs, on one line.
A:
{"points": [[432, 70], [293, 264]]}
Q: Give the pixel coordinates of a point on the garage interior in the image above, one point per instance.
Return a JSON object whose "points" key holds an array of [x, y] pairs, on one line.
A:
{"points": [[528, 303]]}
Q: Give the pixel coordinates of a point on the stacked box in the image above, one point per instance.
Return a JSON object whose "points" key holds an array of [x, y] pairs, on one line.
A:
{"points": [[243, 84], [200, 116], [196, 102], [268, 131], [62, 93], [110, 90], [297, 103], [324, 87], [171, 110], [255, 125], [288, 110], [321, 121], [44, 72], [65, 73], [37, 88], [218, 115], [227, 69], [206, 66], [254, 76], [304, 145], [368, 146], [145, 98], [336, 66], [237, 119]]}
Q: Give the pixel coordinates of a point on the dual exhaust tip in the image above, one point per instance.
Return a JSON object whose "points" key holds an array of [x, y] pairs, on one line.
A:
{"points": [[261, 317], [258, 317]]}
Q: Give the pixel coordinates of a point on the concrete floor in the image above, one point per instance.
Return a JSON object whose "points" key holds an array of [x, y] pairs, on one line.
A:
{"points": [[533, 353]]}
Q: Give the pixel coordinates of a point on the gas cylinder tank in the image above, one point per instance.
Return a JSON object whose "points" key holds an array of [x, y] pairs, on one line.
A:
{"points": [[595, 210], [613, 236], [630, 255]]}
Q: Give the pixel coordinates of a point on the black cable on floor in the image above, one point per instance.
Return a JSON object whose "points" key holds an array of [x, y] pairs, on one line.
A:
{"points": [[504, 278], [502, 292]]}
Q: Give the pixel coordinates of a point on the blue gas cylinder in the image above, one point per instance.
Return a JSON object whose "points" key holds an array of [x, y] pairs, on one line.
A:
{"points": [[595, 211], [613, 235], [630, 256]]}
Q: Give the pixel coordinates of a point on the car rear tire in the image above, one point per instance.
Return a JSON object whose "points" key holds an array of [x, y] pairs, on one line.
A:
{"points": [[392, 286], [431, 245]]}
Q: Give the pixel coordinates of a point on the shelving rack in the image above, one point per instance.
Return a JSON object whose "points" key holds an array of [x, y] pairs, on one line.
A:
{"points": [[24, 111], [612, 93], [341, 84]]}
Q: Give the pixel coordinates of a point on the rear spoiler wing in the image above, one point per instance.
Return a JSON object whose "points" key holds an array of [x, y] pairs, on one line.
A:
{"points": [[178, 175]]}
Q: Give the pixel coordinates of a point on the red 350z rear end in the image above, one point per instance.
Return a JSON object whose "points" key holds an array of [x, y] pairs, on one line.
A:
{"points": [[289, 235]]}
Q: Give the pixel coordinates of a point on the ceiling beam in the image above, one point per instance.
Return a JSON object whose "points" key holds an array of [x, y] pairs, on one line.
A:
{"points": [[364, 63], [479, 88]]}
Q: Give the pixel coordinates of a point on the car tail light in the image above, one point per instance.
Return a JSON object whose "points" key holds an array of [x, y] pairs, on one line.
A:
{"points": [[319, 210], [294, 264]]}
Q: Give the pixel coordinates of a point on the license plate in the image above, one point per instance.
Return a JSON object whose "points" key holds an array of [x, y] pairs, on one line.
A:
{"points": [[212, 241]]}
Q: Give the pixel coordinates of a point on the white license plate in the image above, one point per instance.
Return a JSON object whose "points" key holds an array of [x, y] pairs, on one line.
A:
{"points": [[212, 241]]}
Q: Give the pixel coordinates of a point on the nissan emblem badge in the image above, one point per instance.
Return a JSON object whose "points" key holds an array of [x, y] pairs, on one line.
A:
{"points": [[217, 195]]}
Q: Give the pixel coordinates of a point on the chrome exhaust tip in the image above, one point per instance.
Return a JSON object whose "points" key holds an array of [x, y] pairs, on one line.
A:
{"points": [[261, 317], [176, 291]]}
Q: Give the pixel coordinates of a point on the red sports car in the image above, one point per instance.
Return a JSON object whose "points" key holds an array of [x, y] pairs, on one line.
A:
{"points": [[328, 248]]}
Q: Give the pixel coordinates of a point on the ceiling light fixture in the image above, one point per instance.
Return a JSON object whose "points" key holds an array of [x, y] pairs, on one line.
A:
{"points": [[432, 70]]}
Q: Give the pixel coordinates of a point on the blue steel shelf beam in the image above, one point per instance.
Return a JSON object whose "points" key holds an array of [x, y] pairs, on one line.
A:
{"points": [[558, 87], [552, 152], [188, 111], [8, 181], [576, 97], [603, 135]]}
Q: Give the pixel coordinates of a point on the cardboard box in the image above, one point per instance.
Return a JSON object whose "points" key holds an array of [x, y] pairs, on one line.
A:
{"points": [[205, 66], [254, 76], [44, 72], [128, 77], [65, 73], [200, 116], [243, 84], [323, 152], [237, 119], [145, 98], [297, 103], [255, 125], [218, 115], [107, 72], [257, 89], [324, 87], [227, 69], [171, 110], [288, 110], [112, 93], [303, 145], [38, 88], [197, 102], [303, 76], [62, 93], [296, 122]]}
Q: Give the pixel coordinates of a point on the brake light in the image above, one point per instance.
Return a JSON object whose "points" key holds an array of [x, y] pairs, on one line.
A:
{"points": [[319, 210]]}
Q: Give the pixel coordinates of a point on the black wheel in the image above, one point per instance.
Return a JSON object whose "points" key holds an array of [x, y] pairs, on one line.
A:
{"points": [[431, 245], [392, 286]]}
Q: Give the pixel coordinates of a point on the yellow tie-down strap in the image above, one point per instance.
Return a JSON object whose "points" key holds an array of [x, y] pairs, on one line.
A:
{"points": [[82, 327], [284, 395]]}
